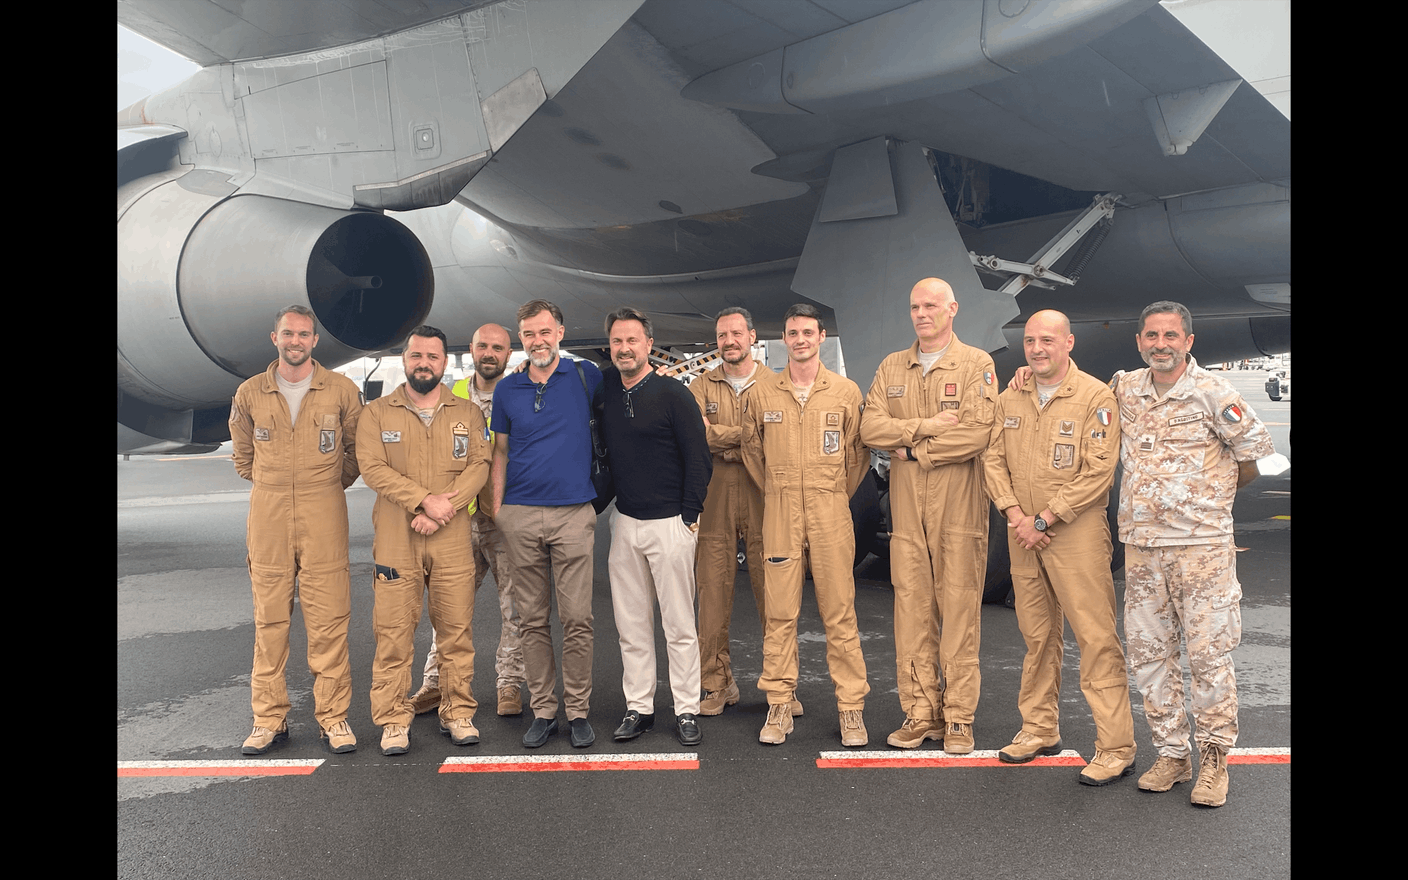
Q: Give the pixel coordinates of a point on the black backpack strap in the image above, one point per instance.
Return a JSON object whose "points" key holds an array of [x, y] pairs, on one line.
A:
{"points": [[597, 449]]}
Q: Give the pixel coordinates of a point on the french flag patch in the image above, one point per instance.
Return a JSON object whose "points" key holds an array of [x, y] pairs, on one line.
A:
{"points": [[1232, 413]]}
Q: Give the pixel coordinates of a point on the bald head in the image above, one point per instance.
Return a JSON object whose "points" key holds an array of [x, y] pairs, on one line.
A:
{"points": [[1047, 342], [490, 348], [931, 309], [935, 287]]}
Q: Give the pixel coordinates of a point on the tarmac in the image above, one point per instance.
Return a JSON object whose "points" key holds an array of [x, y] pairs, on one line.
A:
{"points": [[189, 805]]}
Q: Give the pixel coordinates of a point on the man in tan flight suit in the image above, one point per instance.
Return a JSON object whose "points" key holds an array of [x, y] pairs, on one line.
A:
{"points": [[490, 347], [801, 445], [426, 453], [1049, 468], [733, 508], [931, 406], [293, 429]]}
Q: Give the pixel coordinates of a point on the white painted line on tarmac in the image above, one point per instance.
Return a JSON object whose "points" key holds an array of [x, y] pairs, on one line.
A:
{"points": [[540, 763], [938, 758], [1259, 756], [255, 767]]}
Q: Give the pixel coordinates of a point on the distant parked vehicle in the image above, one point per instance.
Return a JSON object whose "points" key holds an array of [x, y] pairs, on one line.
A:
{"points": [[1279, 384]]}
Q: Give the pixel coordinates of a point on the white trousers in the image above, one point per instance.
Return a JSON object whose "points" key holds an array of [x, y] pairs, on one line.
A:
{"points": [[655, 556]]}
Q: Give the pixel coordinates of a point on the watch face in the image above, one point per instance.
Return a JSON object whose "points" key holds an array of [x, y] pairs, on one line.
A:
{"points": [[1040, 524]]}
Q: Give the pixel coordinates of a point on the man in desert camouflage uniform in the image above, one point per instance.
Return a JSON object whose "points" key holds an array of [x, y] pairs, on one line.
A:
{"points": [[1189, 442]]}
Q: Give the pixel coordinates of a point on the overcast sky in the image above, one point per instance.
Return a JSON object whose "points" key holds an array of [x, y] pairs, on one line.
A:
{"points": [[143, 68]]}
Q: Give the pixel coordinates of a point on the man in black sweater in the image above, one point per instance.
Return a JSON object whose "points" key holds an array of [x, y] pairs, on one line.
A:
{"points": [[660, 460]]}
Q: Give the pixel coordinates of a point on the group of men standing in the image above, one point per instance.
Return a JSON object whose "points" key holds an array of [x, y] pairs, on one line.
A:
{"points": [[500, 471]]}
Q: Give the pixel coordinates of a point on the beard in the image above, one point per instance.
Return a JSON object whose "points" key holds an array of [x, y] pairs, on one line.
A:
{"points": [[490, 372], [422, 384], [295, 358], [1174, 359], [541, 359], [630, 372]]}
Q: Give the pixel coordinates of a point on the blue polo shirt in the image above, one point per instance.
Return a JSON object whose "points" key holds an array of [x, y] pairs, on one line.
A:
{"points": [[549, 451]]}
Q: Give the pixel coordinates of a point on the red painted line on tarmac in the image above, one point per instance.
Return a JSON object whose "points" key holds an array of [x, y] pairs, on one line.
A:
{"points": [[555, 763], [296, 767], [980, 758]]}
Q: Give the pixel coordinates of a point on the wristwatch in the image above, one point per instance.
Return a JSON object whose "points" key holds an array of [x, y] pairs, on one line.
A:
{"points": [[1040, 524], [692, 526]]}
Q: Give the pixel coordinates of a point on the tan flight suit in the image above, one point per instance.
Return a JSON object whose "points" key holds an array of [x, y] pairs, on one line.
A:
{"points": [[939, 513], [1181, 454], [733, 508], [1062, 458], [808, 461], [403, 460], [298, 529]]}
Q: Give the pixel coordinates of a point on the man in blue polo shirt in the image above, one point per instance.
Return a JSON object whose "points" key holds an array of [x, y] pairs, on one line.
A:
{"points": [[543, 505]]}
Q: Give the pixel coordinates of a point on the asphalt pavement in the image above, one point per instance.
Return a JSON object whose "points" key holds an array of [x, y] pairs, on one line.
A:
{"points": [[735, 808]]}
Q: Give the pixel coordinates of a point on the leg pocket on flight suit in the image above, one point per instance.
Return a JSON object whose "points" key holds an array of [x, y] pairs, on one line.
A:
{"points": [[964, 558], [1216, 632], [393, 607]]}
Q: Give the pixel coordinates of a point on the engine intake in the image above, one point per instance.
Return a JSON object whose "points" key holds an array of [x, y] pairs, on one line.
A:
{"points": [[200, 276]]}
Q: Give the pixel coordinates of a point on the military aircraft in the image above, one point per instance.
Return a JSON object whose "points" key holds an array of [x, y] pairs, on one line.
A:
{"points": [[447, 160]]}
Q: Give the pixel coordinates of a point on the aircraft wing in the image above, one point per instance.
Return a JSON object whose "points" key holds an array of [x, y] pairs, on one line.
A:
{"points": [[450, 160]]}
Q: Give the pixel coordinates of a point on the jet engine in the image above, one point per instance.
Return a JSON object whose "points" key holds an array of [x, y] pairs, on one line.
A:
{"points": [[200, 275]]}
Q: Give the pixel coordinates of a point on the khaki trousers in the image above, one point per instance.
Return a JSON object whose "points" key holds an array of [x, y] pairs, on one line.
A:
{"points": [[938, 555], [832, 542], [1071, 580], [442, 565], [302, 538], [490, 555], [733, 508], [547, 547]]}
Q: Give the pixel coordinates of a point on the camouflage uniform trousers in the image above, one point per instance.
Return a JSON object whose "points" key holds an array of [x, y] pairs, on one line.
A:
{"points": [[1192, 588], [490, 555]]}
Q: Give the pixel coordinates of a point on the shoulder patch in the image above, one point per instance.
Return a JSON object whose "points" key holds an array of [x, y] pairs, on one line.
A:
{"points": [[987, 377], [234, 411], [1232, 413], [1103, 415]]}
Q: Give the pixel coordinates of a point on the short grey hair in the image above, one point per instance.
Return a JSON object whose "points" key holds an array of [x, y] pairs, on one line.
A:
{"points": [[1168, 307]]}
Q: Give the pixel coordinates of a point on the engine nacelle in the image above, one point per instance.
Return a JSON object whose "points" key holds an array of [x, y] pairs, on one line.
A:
{"points": [[200, 275]]}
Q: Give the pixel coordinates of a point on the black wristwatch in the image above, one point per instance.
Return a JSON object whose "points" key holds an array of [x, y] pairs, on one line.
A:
{"points": [[1040, 523]]}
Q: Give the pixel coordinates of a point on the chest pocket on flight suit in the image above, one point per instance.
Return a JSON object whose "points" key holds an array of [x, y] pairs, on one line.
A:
{"points": [[459, 446], [327, 433], [1180, 448], [830, 426], [978, 404], [1064, 432]]}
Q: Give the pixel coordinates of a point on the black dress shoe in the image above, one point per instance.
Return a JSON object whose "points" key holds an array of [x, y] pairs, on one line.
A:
{"points": [[687, 729], [633, 725], [582, 733], [537, 735]]}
